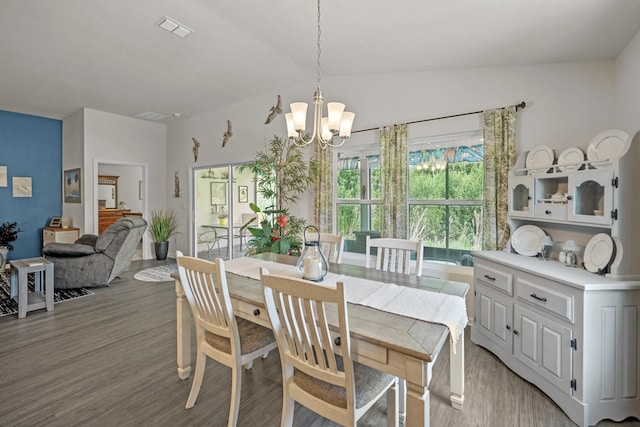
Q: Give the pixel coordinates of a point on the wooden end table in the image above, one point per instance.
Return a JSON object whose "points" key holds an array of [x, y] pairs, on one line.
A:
{"points": [[42, 297]]}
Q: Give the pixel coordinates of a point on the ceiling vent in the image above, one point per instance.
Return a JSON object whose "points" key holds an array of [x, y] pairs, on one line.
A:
{"points": [[148, 115], [174, 27]]}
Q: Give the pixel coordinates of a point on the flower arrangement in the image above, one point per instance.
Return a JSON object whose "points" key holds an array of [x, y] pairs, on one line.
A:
{"points": [[9, 233], [279, 232]]}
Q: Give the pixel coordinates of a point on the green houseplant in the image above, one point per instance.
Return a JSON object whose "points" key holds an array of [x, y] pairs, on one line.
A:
{"points": [[162, 225], [282, 175], [8, 233]]}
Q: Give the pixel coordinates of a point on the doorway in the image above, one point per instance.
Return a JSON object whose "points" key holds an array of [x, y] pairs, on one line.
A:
{"points": [[127, 195]]}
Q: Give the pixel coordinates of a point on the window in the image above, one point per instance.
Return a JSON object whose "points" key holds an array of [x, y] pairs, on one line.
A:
{"points": [[445, 182]]}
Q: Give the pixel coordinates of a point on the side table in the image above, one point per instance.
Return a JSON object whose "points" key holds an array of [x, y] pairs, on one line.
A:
{"points": [[42, 296]]}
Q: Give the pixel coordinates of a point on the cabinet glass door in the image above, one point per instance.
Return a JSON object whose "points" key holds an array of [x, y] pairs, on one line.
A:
{"points": [[520, 196], [591, 197]]}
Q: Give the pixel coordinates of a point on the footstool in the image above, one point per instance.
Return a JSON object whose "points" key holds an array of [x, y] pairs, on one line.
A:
{"points": [[42, 297]]}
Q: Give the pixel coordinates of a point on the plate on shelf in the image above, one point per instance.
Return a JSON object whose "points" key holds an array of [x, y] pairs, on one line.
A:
{"points": [[570, 159], [526, 240], [598, 252], [539, 159], [607, 145]]}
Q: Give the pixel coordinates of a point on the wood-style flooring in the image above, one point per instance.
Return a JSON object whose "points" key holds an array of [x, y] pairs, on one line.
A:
{"points": [[109, 359]]}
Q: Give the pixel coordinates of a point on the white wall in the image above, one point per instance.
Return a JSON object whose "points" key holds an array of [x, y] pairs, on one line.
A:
{"points": [[567, 105], [72, 158], [627, 88], [109, 138]]}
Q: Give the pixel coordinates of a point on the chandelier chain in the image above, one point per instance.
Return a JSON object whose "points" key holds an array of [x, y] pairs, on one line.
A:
{"points": [[318, 44]]}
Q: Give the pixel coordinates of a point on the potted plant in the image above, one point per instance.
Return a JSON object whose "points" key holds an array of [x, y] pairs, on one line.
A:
{"points": [[162, 225], [223, 216], [8, 233], [282, 175]]}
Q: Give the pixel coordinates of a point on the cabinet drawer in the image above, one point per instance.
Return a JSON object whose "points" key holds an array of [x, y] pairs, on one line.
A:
{"points": [[551, 210], [551, 300], [500, 280]]}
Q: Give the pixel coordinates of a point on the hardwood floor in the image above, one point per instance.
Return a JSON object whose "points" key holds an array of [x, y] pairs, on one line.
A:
{"points": [[108, 359]]}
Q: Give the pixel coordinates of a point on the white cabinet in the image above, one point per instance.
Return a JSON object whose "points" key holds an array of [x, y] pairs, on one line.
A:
{"points": [[543, 345], [59, 235], [579, 202], [573, 334]]}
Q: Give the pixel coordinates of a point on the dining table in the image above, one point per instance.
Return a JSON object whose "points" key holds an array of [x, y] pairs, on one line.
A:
{"points": [[398, 344]]}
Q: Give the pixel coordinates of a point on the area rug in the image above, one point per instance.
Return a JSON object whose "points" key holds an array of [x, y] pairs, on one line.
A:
{"points": [[161, 273], [9, 306]]}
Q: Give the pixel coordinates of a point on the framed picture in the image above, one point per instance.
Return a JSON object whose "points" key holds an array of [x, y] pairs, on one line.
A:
{"points": [[243, 194], [22, 186], [218, 193], [72, 185]]}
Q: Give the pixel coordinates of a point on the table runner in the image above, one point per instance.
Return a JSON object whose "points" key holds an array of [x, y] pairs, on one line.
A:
{"points": [[420, 304]]}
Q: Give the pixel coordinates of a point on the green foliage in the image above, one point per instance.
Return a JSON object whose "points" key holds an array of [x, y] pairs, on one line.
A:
{"points": [[438, 225], [9, 233], [278, 232], [163, 225], [281, 174]]}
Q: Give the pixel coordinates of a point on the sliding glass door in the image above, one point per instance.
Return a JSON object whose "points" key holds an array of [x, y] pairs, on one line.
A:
{"points": [[221, 195]]}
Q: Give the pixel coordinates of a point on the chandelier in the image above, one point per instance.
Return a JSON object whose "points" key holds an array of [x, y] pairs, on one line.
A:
{"points": [[337, 123]]}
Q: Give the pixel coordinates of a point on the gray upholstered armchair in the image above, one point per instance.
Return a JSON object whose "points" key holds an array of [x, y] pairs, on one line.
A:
{"points": [[96, 261]]}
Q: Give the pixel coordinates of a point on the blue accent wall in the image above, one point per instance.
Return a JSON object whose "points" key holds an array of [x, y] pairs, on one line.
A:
{"points": [[30, 146]]}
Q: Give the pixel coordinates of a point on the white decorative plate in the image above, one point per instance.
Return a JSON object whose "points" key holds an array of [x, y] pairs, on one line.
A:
{"points": [[598, 252], [539, 159], [570, 157], [526, 240], [607, 145]]}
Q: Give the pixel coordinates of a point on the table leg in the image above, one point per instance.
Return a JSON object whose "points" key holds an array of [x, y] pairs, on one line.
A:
{"points": [[183, 323], [456, 366], [48, 286], [417, 399], [23, 295]]}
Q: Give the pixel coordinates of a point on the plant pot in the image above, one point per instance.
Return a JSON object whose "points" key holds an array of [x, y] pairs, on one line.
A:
{"points": [[161, 248], [223, 221], [4, 252]]}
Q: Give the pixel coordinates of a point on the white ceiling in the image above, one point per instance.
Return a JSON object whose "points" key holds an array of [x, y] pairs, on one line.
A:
{"points": [[58, 56]]}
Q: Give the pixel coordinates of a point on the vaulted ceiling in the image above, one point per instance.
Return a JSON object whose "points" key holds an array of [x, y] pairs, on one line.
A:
{"points": [[59, 56]]}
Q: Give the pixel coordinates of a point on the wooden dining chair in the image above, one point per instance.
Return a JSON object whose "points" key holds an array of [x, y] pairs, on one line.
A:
{"points": [[394, 255], [313, 373], [232, 341], [332, 246]]}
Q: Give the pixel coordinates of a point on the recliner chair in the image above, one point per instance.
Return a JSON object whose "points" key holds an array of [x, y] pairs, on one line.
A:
{"points": [[96, 260]]}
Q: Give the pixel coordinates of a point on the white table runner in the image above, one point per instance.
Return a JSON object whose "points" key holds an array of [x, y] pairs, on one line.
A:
{"points": [[420, 304]]}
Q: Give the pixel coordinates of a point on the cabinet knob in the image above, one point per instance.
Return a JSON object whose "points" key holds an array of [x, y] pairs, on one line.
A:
{"points": [[548, 212], [508, 327], [337, 341], [516, 332], [569, 197], [256, 312]]}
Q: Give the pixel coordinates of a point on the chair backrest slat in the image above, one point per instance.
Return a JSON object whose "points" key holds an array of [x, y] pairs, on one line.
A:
{"points": [[297, 310], [332, 246], [394, 255], [205, 286]]}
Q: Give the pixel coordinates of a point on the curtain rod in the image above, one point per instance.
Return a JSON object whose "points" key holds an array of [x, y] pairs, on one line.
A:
{"points": [[521, 105]]}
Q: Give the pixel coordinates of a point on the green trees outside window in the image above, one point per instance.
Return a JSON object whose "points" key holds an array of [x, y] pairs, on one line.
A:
{"points": [[445, 202]]}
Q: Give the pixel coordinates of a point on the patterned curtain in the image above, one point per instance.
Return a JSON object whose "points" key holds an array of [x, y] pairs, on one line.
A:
{"points": [[394, 170], [499, 156], [323, 198]]}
